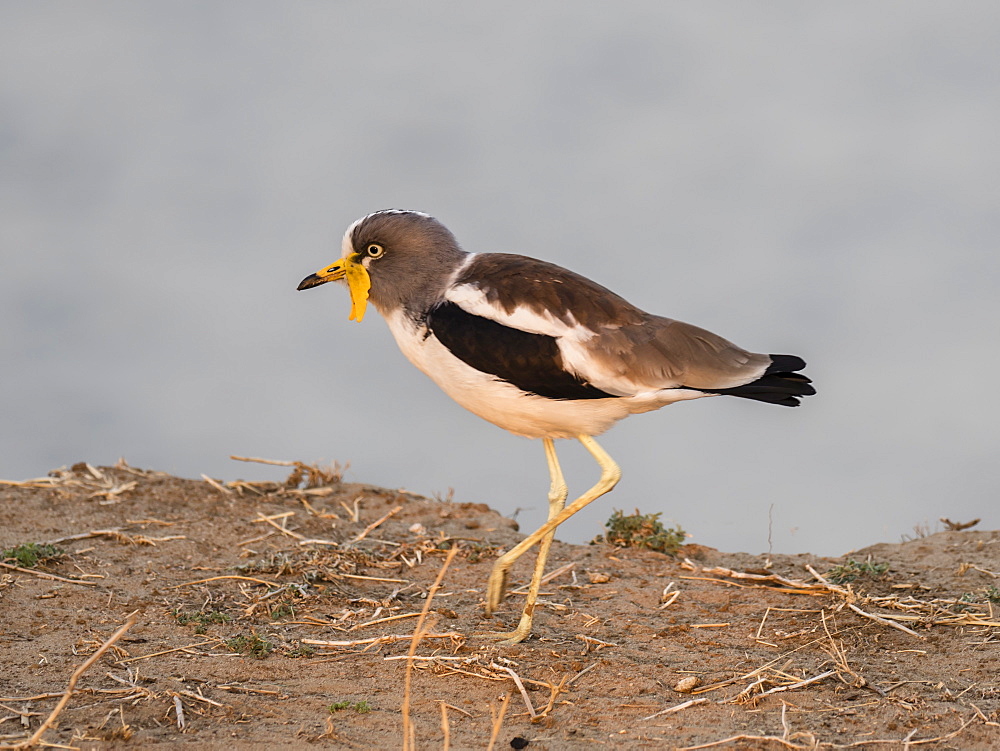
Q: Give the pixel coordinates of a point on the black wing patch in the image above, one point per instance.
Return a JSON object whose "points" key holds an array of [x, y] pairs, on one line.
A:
{"points": [[532, 362]]}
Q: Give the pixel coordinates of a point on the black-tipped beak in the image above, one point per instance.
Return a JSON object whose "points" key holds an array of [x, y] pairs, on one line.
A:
{"points": [[358, 281], [313, 280]]}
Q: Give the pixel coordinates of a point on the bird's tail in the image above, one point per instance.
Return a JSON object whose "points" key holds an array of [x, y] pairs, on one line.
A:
{"points": [[780, 384]]}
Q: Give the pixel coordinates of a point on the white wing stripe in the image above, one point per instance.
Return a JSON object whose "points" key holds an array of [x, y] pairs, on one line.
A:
{"points": [[472, 299]]}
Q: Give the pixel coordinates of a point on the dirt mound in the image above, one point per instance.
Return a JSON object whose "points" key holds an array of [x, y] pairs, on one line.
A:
{"points": [[281, 614]]}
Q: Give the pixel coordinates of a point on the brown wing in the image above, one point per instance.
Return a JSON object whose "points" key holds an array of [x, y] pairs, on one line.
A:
{"points": [[603, 338], [662, 353]]}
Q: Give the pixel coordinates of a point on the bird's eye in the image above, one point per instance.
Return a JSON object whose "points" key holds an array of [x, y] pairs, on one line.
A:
{"points": [[375, 251]]}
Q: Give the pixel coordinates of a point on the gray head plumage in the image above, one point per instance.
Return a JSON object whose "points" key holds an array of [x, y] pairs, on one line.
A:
{"points": [[410, 257]]}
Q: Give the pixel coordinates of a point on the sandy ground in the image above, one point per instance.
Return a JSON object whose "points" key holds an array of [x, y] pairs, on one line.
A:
{"points": [[271, 615]]}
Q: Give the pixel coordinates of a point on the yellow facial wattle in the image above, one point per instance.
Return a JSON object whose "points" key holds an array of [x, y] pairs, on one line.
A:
{"points": [[358, 282]]}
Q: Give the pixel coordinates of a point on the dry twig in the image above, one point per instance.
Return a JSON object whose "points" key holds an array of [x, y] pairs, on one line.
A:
{"points": [[884, 621], [364, 533], [520, 687], [418, 634], [498, 721], [37, 737], [387, 639], [675, 708], [44, 575], [445, 728]]}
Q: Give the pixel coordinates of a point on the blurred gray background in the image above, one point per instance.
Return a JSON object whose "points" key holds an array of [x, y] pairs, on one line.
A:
{"points": [[802, 178]]}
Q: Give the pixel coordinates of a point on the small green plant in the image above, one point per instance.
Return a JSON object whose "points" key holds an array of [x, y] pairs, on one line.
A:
{"points": [[476, 552], [965, 602], [361, 707], [201, 620], [284, 610], [990, 594], [31, 554], [303, 650], [642, 531], [853, 570], [252, 645]]}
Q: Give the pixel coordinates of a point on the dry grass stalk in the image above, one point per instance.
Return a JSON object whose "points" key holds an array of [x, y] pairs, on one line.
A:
{"points": [[314, 475], [554, 691], [520, 687], [450, 669], [280, 528], [675, 708], [763, 620], [592, 643], [884, 621], [364, 533], [216, 484], [248, 690], [793, 584], [769, 666], [670, 599], [838, 655], [384, 620], [355, 512], [752, 738], [498, 721], [785, 590], [166, 651], [199, 697], [314, 541], [38, 482], [179, 711], [908, 740], [112, 532], [375, 578], [445, 728], [826, 584], [418, 634], [972, 567], [582, 673], [44, 575], [83, 477], [986, 720], [257, 460], [799, 684], [935, 612], [459, 710], [36, 738], [272, 517], [443, 666], [545, 579]]}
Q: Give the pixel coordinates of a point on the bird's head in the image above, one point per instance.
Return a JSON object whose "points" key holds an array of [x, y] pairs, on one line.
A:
{"points": [[397, 259]]}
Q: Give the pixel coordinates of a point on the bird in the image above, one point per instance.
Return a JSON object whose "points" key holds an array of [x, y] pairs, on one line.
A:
{"points": [[539, 351]]}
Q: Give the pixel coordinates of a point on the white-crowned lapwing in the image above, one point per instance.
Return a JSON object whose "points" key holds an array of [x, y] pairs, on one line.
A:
{"points": [[538, 350]]}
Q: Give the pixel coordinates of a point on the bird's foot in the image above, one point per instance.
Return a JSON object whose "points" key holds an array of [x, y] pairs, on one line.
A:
{"points": [[508, 638], [519, 634]]}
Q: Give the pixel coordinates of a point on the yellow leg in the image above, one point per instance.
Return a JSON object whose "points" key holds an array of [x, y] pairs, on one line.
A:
{"points": [[557, 500], [610, 474]]}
